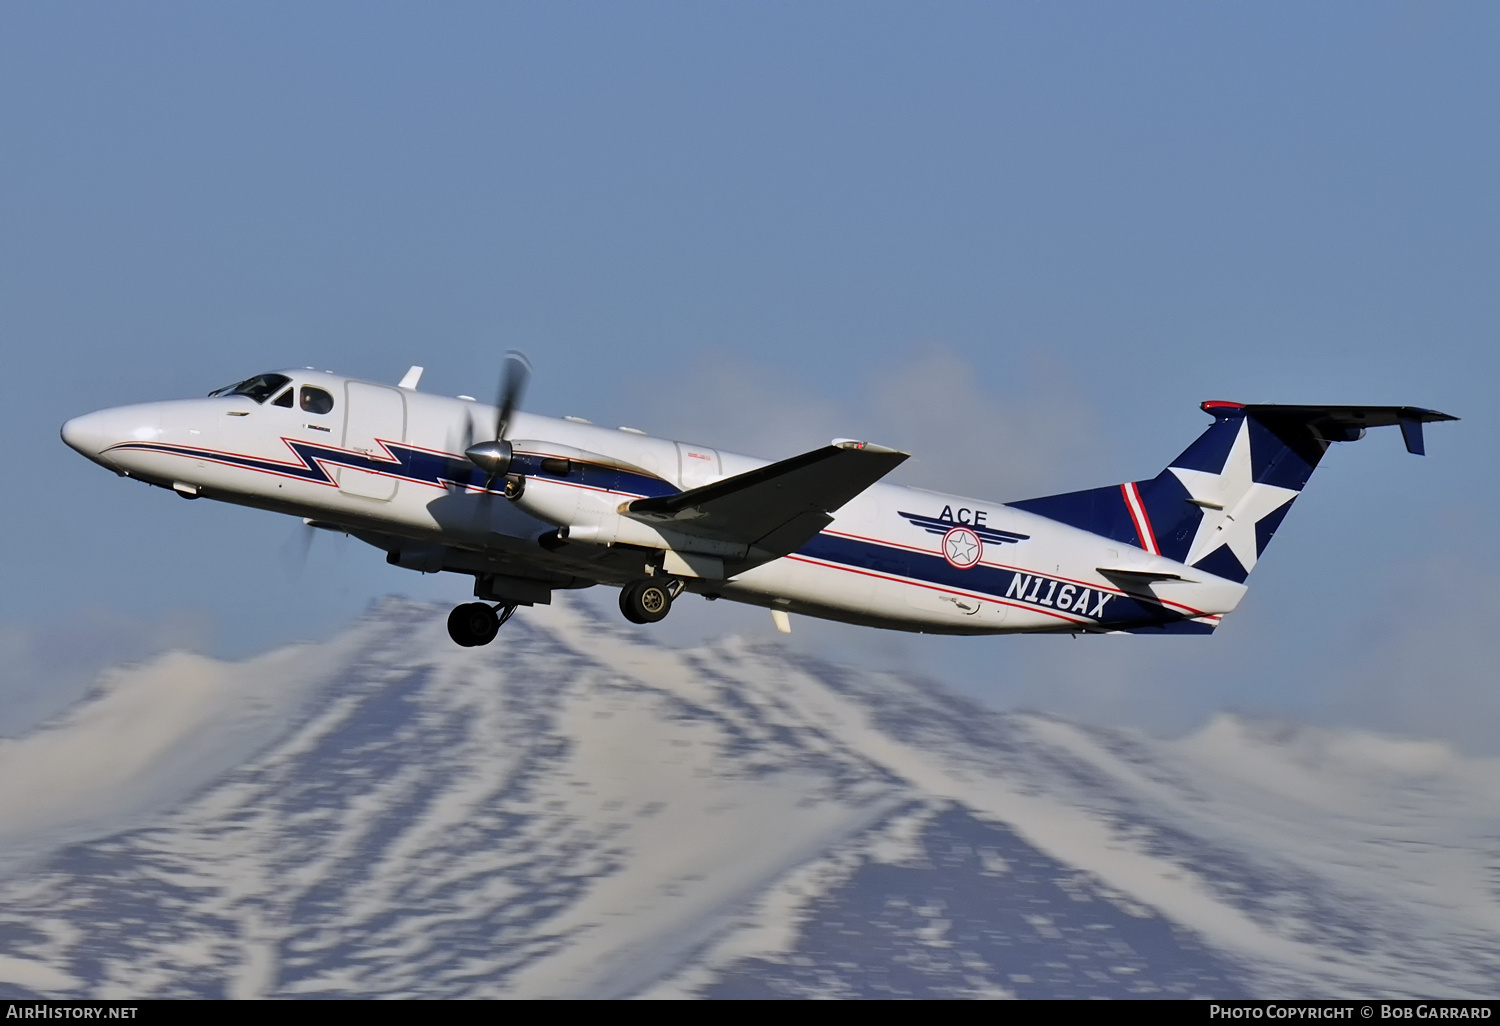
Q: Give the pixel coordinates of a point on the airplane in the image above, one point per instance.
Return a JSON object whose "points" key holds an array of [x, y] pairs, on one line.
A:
{"points": [[529, 505]]}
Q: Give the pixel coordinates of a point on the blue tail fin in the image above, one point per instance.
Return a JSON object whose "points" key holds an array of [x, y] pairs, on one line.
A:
{"points": [[1217, 505]]}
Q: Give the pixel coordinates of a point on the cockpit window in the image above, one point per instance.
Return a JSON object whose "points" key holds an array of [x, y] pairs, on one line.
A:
{"points": [[284, 399], [260, 388], [315, 400]]}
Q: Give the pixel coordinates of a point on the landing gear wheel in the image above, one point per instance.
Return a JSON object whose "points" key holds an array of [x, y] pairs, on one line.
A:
{"points": [[646, 601], [473, 624]]}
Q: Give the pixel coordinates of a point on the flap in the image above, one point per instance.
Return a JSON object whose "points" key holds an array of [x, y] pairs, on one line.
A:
{"points": [[776, 508]]}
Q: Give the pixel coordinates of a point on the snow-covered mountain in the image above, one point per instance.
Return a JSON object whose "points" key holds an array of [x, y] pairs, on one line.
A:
{"points": [[577, 811]]}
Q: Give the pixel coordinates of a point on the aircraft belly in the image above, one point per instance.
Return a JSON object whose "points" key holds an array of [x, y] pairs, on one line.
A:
{"points": [[839, 594], [950, 606]]}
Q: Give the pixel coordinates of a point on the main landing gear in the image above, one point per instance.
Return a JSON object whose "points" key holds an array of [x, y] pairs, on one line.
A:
{"points": [[648, 601], [475, 623]]}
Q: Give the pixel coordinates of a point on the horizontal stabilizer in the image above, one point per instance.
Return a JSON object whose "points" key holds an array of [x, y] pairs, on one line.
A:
{"points": [[1138, 575], [1346, 423], [775, 508]]}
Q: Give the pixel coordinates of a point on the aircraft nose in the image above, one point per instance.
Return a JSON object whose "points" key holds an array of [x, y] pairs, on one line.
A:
{"points": [[94, 433], [87, 434]]}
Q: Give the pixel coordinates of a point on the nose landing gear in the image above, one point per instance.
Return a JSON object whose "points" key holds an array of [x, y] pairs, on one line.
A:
{"points": [[648, 601], [475, 623]]}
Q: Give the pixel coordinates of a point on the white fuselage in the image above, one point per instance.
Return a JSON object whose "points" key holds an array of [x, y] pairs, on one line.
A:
{"points": [[387, 464]]}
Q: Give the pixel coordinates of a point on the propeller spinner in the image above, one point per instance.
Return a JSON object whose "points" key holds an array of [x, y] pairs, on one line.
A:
{"points": [[493, 457]]}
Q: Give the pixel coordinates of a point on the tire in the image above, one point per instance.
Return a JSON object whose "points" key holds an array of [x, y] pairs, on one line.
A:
{"points": [[473, 624], [627, 604], [645, 601]]}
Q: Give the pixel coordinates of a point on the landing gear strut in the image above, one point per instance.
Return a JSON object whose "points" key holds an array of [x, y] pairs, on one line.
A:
{"points": [[474, 623], [648, 601]]}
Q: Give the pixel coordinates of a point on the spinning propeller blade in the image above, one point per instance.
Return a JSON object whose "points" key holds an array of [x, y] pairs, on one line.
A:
{"points": [[295, 549], [512, 387], [494, 457]]}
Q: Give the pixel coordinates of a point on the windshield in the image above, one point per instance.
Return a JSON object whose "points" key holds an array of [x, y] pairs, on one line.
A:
{"points": [[260, 388]]}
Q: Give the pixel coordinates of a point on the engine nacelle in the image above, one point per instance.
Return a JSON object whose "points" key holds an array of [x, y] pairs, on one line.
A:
{"points": [[570, 487], [582, 493]]}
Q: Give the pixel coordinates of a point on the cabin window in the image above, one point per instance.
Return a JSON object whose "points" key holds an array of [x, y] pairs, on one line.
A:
{"points": [[260, 388], [284, 399], [315, 400]]}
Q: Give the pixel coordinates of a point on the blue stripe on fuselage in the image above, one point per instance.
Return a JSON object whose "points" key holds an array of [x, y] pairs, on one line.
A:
{"points": [[591, 475], [1067, 600]]}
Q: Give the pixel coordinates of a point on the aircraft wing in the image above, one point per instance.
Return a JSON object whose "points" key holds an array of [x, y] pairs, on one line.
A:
{"points": [[774, 509]]}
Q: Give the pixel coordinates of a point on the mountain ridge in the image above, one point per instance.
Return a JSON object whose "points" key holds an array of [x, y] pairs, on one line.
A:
{"points": [[578, 811]]}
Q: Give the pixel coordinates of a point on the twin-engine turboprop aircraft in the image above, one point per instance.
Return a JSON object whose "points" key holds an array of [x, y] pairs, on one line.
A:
{"points": [[527, 505]]}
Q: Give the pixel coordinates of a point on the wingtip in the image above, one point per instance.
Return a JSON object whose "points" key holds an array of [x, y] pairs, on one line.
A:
{"points": [[855, 443]]}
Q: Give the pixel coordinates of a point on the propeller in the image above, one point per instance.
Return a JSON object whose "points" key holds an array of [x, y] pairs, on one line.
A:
{"points": [[494, 457], [295, 549], [460, 440]]}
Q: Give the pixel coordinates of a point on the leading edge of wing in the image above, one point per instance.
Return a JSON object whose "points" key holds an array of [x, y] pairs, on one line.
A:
{"points": [[752, 508]]}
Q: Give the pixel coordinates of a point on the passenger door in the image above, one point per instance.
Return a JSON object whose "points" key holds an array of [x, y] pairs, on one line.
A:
{"points": [[372, 414]]}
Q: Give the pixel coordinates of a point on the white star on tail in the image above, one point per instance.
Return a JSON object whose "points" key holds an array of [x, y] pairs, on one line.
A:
{"points": [[1232, 504]]}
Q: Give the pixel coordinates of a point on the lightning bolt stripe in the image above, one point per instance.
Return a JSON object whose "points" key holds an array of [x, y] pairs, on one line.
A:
{"points": [[406, 463]]}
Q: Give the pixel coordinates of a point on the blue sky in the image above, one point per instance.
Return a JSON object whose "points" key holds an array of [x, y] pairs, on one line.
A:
{"points": [[1022, 240]]}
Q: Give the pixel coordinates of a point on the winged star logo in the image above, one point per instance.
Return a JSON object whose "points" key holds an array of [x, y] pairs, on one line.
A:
{"points": [[1233, 502], [937, 525]]}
